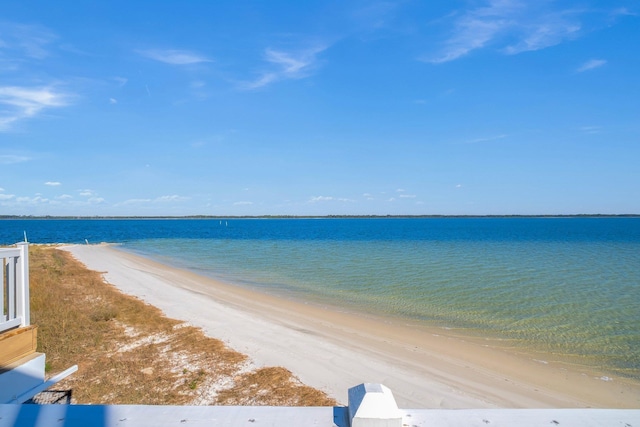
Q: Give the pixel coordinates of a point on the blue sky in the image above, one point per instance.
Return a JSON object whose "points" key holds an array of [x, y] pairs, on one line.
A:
{"points": [[319, 107]]}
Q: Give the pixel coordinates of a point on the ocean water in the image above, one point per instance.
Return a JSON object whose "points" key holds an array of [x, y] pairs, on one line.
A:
{"points": [[566, 288]]}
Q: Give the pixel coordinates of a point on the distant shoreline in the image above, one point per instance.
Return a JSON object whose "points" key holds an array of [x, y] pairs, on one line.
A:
{"points": [[219, 217]]}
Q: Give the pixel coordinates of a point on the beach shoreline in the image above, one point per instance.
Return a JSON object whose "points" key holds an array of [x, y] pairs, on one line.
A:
{"points": [[333, 350]]}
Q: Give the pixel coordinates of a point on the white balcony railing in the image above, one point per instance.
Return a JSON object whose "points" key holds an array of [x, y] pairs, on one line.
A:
{"points": [[14, 296]]}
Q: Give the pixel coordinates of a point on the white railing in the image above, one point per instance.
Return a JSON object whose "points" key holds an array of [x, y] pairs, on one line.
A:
{"points": [[14, 295]]}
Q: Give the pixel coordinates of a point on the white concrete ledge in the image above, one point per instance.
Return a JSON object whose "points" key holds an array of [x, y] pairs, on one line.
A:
{"points": [[260, 416]]}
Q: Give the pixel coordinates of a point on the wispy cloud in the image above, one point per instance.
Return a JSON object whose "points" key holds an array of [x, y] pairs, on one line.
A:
{"points": [[170, 198], [25, 102], [376, 15], [134, 202], [91, 197], [52, 183], [402, 193], [174, 56], [286, 65], [120, 81], [591, 64], [486, 139], [242, 203], [35, 200], [590, 130], [317, 199], [8, 159], [24, 41], [511, 26], [161, 199], [622, 11], [86, 193], [320, 199]]}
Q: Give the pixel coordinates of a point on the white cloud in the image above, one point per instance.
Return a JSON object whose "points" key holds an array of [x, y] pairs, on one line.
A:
{"points": [[6, 196], [86, 193], [242, 203], [591, 64], [320, 199], [134, 202], [286, 65], [36, 200], [64, 197], [113, 101], [408, 196], [52, 183], [173, 56], [25, 102], [328, 199], [471, 34], [512, 26], [290, 64], [161, 199], [9, 159], [172, 198]]}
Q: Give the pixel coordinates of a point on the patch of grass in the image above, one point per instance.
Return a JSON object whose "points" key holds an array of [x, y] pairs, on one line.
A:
{"points": [[272, 386], [128, 352], [103, 313]]}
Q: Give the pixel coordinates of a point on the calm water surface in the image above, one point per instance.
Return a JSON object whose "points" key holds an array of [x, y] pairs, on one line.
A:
{"points": [[567, 287]]}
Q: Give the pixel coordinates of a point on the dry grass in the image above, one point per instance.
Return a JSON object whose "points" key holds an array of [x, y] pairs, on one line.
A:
{"points": [[128, 352]]}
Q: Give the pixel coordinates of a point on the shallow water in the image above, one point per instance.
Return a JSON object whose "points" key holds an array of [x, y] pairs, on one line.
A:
{"points": [[567, 287]]}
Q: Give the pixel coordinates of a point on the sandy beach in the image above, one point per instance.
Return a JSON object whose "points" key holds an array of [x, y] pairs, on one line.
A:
{"points": [[333, 350]]}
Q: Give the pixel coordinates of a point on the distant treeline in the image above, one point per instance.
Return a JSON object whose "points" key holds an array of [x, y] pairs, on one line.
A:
{"points": [[313, 216]]}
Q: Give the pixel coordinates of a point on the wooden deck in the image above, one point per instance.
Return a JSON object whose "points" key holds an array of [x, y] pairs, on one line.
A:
{"points": [[16, 344]]}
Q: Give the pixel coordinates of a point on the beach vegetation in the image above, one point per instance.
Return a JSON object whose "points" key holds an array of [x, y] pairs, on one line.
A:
{"points": [[129, 352]]}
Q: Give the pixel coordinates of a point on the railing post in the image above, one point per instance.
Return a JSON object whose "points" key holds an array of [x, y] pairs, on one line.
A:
{"points": [[373, 405], [22, 285]]}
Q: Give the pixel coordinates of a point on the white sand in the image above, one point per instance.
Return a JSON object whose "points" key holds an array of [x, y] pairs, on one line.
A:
{"points": [[334, 351]]}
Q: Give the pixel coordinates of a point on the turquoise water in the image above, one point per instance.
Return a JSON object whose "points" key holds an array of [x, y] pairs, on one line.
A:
{"points": [[566, 287]]}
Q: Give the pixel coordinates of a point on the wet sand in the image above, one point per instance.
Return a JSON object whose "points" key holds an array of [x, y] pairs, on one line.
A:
{"points": [[333, 350]]}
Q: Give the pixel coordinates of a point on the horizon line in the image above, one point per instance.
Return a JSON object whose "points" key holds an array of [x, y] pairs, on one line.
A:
{"points": [[335, 216]]}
